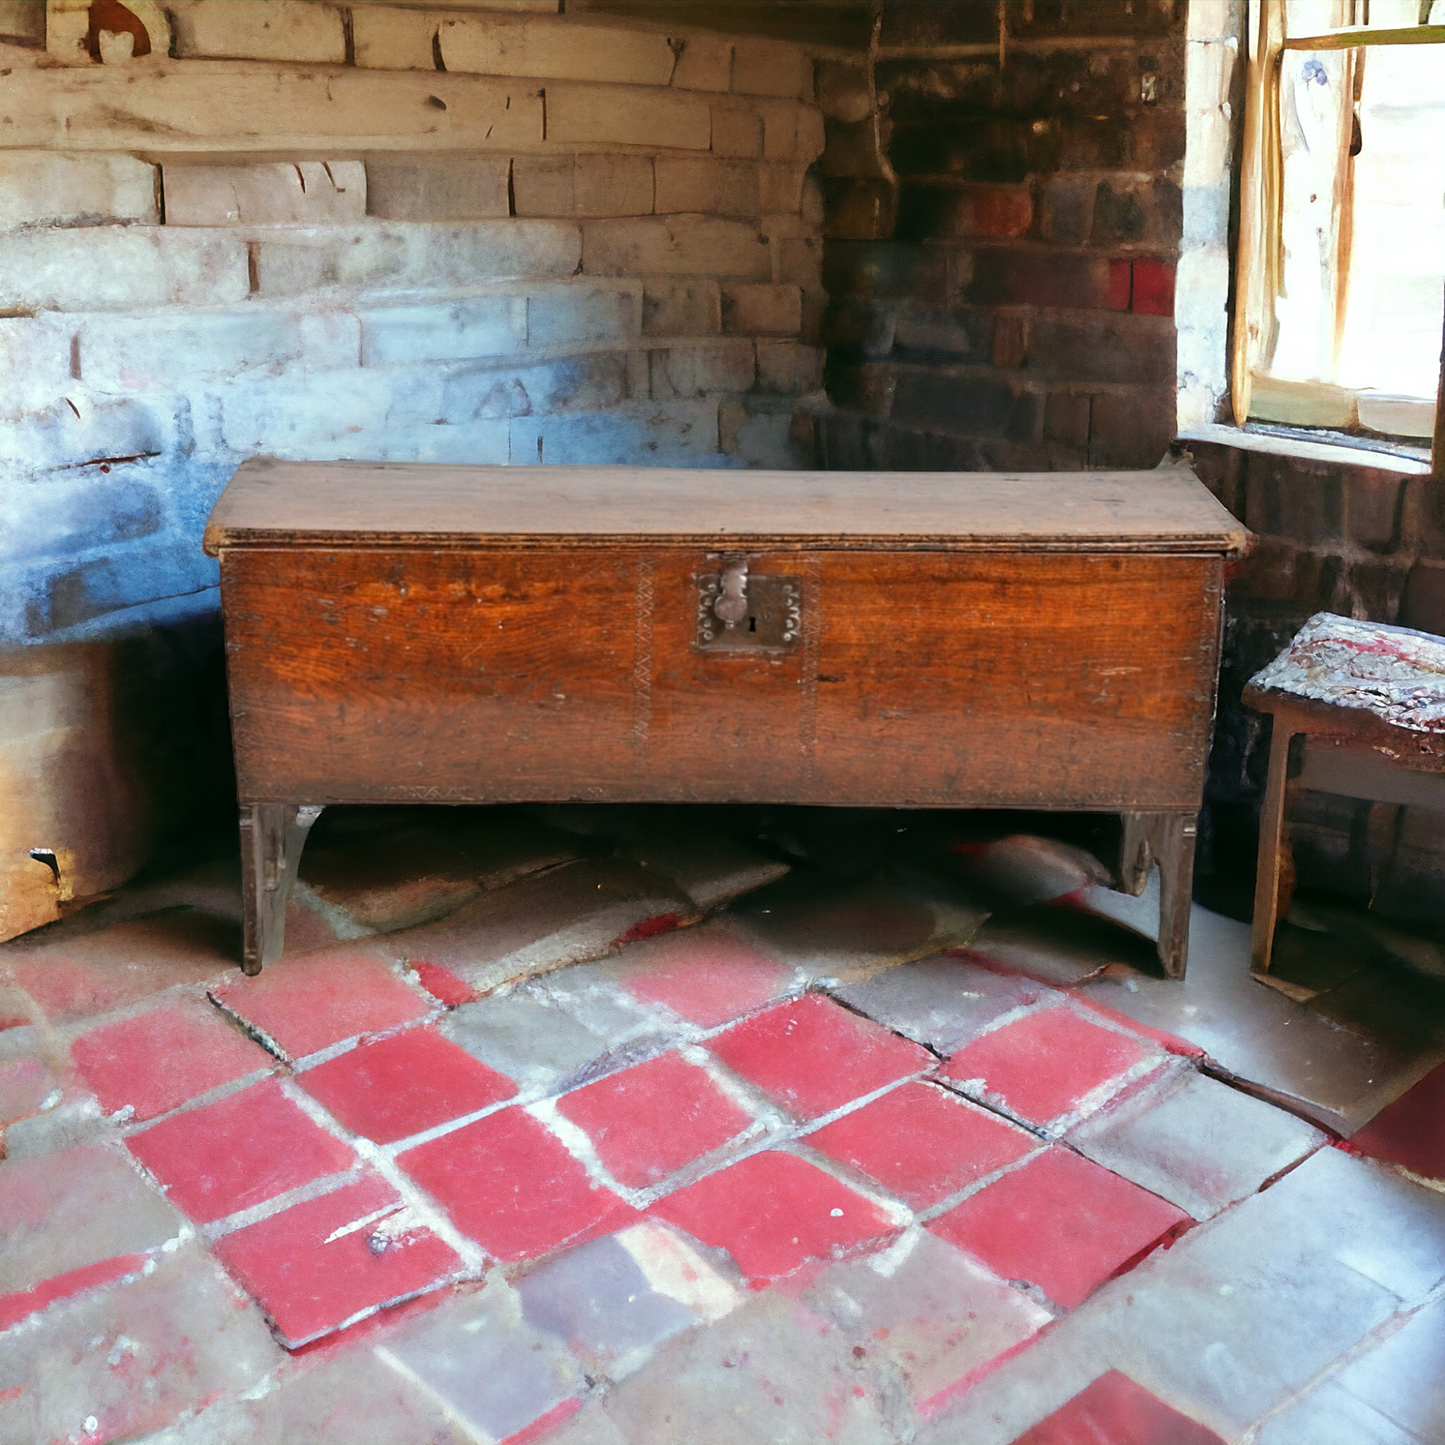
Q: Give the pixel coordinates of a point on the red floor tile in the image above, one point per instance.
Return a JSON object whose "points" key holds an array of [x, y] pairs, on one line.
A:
{"points": [[442, 984], [1116, 1411], [1411, 1131], [241, 1151], [1061, 1223], [1044, 1064], [508, 1182], [318, 1264], [708, 977], [398, 1086], [308, 1003], [648, 1121], [157, 1060], [922, 1142], [814, 1056], [773, 1212]]}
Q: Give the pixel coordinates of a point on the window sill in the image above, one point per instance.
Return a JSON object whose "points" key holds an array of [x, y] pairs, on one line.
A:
{"points": [[1335, 453]]}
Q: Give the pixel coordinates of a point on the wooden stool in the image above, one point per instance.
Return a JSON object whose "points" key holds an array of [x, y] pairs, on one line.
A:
{"points": [[1369, 701]]}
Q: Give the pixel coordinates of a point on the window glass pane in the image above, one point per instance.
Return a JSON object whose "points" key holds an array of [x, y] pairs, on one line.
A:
{"points": [[1397, 262]]}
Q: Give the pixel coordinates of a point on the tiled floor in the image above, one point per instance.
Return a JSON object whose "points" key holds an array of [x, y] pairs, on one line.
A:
{"points": [[608, 1126]]}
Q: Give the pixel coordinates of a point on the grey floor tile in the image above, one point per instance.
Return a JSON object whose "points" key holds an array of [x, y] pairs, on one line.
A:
{"points": [[530, 1040], [1330, 1416], [940, 1002], [1404, 1376], [1196, 1142]]}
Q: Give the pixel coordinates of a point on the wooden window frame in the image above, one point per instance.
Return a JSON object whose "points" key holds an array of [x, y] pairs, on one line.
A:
{"points": [[1258, 260]]}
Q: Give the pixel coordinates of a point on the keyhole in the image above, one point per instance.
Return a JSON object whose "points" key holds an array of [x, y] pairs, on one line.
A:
{"points": [[752, 624]]}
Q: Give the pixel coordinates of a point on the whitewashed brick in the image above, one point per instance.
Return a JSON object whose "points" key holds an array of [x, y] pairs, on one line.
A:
{"points": [[40, 188], [106, 268], [681, 308], [697, 370], [590, 382], [473, 444], [133, 353], [772, 67], [67, 26], [385, 37], [596, 114], [214, 107], [554, 50], [327, 416], [762, 310], [292, 30], [314, 192], [584, 185], [675, 246], [671, 433], [780, 186], [67, 513], [34, 360], [737, 130], [401, 254], [484, 326], [789, 368], [593, 314], [81, 427], [706, 185], [704, 62], [437, 188]]}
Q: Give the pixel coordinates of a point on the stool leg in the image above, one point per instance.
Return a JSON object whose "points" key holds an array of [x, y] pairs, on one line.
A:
{"points": [[1134, 857], [272, 837], [1271, 831], [1172, 838]]}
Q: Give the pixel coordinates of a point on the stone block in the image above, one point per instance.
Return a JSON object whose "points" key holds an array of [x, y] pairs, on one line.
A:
{"points": [[552, 50], [485, 326], [43, 188], [81, 429], [319, 418], [242, 30], [315, 192], [677, 308], [1330, 1415], [789, 368], [791, 131], [697, 370], [737, 130], [171, 349], [1066, 418], [704, 62], [707, 186], [772, 67], [798, 261], [571, 383], [137, 1356], [842, 90], [403, 254], [670, 433], [762, 310], [22, 22], [430, 188], [583, 185], [110, 269], [584, 314], [676, 245], [781, 187], [35, 359], [391, 38], [593, 114]]}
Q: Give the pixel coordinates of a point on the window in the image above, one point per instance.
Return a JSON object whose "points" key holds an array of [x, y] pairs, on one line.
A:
{"points": [[1340, 287]]}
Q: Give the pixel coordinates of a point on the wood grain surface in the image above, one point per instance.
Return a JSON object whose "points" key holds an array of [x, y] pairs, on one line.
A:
{"points": [[337, 504], [1074, 680]]}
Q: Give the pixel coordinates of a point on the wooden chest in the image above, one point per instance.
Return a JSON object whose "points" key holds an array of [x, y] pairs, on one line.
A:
{"points": [[488, 634]]}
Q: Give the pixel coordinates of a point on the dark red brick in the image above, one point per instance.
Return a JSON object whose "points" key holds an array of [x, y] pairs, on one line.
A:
{"points": [[1045, 278], [399, 1086], [508, 1182], [1132, 428], [1066, 418], [973, 212], [1116, 1410], [938, 22], [1153, 287], [773, 1212], [1102, 346], [1060, 1222], [442, 984], [648, 1121], [1132, 211]]}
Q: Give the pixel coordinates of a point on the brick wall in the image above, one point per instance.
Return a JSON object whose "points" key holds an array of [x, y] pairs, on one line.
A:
{"points": [[1004, 222], [481, 232]]}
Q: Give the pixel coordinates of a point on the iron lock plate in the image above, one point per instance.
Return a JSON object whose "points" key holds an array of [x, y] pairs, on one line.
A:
{"points": [[743, 611]]}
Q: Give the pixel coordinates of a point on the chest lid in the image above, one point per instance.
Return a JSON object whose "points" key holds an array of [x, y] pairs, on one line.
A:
{"points": [[271, 503]]}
